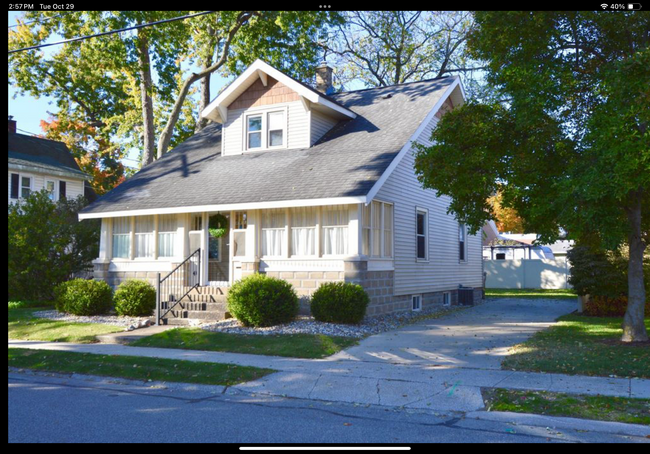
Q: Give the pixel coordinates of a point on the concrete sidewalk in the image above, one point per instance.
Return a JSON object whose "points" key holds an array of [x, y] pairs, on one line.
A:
{"points": [[371, 383]]}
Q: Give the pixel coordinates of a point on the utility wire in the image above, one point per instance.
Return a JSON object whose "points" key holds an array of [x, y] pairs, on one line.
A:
{"points": [[81, 38], [38, 21]]}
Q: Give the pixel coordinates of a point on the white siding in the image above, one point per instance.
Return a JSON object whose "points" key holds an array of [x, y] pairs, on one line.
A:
{"points": [[297, 127], [443, 271], [320, 124], [74, 188]]}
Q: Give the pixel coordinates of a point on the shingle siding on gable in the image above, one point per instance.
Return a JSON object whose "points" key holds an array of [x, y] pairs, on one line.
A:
{"points": [[443, 270], [258, 95]]}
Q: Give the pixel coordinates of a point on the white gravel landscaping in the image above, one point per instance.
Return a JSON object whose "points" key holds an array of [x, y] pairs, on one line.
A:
{"points": [[307, 325], [115, 320]]}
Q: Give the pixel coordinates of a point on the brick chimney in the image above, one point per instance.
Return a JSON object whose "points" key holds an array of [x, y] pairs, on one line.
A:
{"points": [[324, 79], [12, 124]]}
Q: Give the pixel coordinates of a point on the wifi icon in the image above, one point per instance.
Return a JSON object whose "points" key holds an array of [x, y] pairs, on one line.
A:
{"points": [[603, 5]]}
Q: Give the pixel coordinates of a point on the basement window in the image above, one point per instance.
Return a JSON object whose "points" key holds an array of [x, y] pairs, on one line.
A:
{"points": [[416, 301]]}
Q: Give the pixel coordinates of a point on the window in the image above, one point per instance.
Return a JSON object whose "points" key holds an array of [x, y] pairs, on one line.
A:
{"points": [[377, 229], [273, 232], [144, 237], [239, 225], [254, 132], [421, 229], [276, 129], [25, 187], [122, 238], [167, 225], [335, 230], [501, 255], [446, 299], [62, 190], [267, 130], [416, 301], [461, 242], [50, 187], [303, 231]]}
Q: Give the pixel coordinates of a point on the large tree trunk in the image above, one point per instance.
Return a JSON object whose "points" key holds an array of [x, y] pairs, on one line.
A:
{"points": [[149, 141], [203, 102], [633, 323]]}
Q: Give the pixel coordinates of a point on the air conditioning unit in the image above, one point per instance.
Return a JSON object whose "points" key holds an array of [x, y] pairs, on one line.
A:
{"points": [[465, 296]]}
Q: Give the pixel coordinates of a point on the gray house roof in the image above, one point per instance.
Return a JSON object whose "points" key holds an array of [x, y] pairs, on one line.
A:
{"points": [[30, 153], [346, 162]]}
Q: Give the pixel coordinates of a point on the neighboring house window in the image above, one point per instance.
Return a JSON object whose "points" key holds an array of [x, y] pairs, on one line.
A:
{"points": [[335, 230], [273, 232], [303, 231], [416, 302], [421, 233], [377, 229], [266, 130], [501, 256], [144, 237], [25, 187], [62, 190], [462, 235], [15, 186], [122, 238], [50, 188], [167, 226]]}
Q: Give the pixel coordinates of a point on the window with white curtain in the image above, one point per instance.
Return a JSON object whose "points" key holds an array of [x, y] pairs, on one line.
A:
{"points": [[366, 223], [144, 237], [388, 230], [167, 231], [273, 232], [335, 230], [303, 231], [122, 238], [377, 229]]}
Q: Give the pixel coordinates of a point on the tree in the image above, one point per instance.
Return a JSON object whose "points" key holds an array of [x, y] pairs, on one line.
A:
{"points": [[381, 48], [570, 147], [47, 244], [506, 219]]}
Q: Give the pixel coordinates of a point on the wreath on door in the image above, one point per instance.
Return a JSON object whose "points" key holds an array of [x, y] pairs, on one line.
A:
{"points": [[218, 225]]}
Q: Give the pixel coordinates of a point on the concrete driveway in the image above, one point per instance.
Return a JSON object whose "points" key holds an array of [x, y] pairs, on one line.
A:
{"points": [[476, 338]]}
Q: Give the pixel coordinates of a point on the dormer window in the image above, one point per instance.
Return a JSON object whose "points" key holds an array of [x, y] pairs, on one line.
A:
{"points": [[266, 130]]}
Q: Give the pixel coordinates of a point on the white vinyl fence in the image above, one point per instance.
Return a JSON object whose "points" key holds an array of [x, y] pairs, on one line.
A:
{"points": [[520, 273]]}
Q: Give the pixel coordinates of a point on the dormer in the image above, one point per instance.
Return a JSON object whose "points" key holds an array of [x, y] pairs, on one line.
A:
{"points": [[264, 110]]}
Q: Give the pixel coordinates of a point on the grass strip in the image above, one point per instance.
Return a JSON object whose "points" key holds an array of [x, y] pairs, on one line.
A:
{"points": [[134, 367], [531, 293], [23, 325], [288, 345], [602, 408], [582, 345]]}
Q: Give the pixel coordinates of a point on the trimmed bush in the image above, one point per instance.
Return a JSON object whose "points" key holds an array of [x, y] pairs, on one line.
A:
{"points": [[602, 306], [259, 300], [83, 297], [135, 298], [339, 302]]}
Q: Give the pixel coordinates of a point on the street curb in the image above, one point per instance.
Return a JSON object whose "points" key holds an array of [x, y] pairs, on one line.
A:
{"points": [[560, 422]]}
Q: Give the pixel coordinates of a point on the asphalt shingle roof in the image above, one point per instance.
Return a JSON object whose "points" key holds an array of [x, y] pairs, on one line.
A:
{"points": [[346, 162], [42, 154]]}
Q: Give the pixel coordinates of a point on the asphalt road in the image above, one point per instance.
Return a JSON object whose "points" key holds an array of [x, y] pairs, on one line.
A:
{"points": [[56, 409]]}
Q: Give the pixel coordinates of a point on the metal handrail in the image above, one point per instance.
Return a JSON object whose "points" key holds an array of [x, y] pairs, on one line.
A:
{"points": [[172, 289]]}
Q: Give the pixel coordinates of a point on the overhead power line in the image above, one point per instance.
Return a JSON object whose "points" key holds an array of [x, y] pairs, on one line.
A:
{"points": [[135, 27], [38, 21]]}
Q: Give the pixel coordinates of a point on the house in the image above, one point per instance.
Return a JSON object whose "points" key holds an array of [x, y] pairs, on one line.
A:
{"points": [[315, 187], [512, 246], [35, 164]]}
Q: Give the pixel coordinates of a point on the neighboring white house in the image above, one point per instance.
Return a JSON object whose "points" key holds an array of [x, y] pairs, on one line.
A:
{"points": [[315, 188], [35, 164]]}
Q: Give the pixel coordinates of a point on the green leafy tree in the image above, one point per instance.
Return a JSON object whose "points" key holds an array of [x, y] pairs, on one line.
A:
{"points": [[569, 147], [47, 244]]}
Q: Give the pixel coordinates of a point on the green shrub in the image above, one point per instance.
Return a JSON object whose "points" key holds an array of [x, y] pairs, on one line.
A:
{"points": [[259, 300], [339, 302], [83, 297], [135, 298], [47, 244]]}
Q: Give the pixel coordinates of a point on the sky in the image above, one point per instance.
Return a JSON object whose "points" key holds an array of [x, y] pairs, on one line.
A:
{"points": [[28, 111]]}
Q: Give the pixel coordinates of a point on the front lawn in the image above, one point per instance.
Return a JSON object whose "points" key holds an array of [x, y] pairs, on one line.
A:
{"points": [[581, 345], [289, 345], [530, 293], [134, 367], [23, 325], [603, 408]]}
